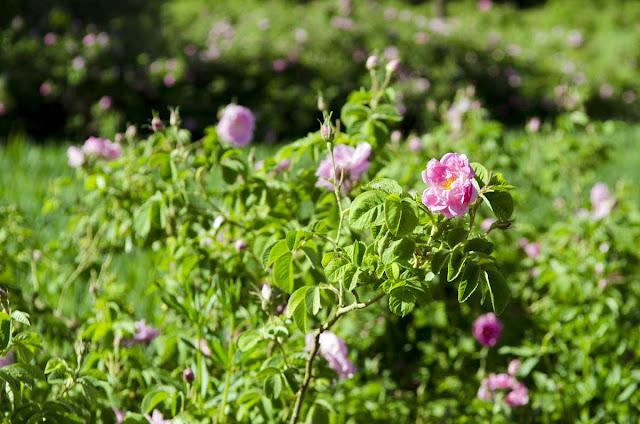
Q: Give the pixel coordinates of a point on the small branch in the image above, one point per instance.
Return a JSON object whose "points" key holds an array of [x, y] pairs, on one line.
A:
{"points": [[316, 346]]}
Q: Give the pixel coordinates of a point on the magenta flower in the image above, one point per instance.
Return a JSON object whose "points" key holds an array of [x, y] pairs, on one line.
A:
{"points": [[75, 157], [499, 381], [602, 201], [350, 163], [334, 350], [487, 329], [451, 188], [7, 360], [236, 125], [144, 334]]}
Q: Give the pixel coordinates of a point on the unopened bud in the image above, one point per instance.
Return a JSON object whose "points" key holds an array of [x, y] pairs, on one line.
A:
{"points": [[188, 375], [322, 105], [174, 118], [372, 62], [393, 66], [119, 138], [241, 245], [131, 131], [156, 124], [325, 132]]}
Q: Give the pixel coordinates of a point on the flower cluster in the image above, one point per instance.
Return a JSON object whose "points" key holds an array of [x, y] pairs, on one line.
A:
{"points": [[350, 164], [517, 395], [236, 125], [451, 187], [334, 350], [487, 329], [93, 147]]}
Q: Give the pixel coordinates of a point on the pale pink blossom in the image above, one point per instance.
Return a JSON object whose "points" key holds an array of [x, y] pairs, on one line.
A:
{"points": [[334, 350], [75, 157], [513, 367], [157, 418], [350, 164], [144, 334], [105, 102], [50, 39], [236, 125], [602, 202]]}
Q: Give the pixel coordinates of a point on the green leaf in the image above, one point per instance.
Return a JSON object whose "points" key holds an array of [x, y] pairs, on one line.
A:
{"points": [[366, 209], [498, 289], [144, 216], [386, 185], [456, 235], [399, 216], [469, 282], [297, 308], [283, 272], [387, 112], [482, 174], [312, 300], [276, 251], [337, 267], [249, 339], [501, 204], [479, 245], [21, 317], [353, 113], [401, 300], [152, 399], [5, 330], [456, 263], [273, 386], [438, 260]]}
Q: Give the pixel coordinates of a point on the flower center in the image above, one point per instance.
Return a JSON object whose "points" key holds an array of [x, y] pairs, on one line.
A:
{"points": [[447, 184]]}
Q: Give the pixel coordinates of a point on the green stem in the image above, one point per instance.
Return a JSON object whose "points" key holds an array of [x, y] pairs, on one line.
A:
{"points": [[316, 346], [222, 416]]}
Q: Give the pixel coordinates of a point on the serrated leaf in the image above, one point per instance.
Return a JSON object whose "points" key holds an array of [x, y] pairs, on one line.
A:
{"points": [[249, 339], [501, 203], [283, 272], [456, 263], [297, 307], [366, 210], [497, 289], [479, 245], [469, 282], [21, 317], [273, 386], [399, 216], [482, 174], [312, 300], [276, 251], [386, 185]]}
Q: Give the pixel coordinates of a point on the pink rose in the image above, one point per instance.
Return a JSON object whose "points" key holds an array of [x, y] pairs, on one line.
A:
{"points": [[334, 350], [602, 201], [451, 189], [236, 125], [75, 157]]}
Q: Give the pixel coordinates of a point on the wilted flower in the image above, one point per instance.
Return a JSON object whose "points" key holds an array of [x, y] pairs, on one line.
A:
{"points": [[144, 334], [6, 360], [334, 350], [75, 157], [351, 163], [451, 189], [157, 418], [602, 201], [236, 125], [487, 329]]}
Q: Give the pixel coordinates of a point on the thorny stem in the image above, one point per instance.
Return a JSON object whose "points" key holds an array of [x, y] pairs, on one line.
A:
{"points": [[316, 346]]}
